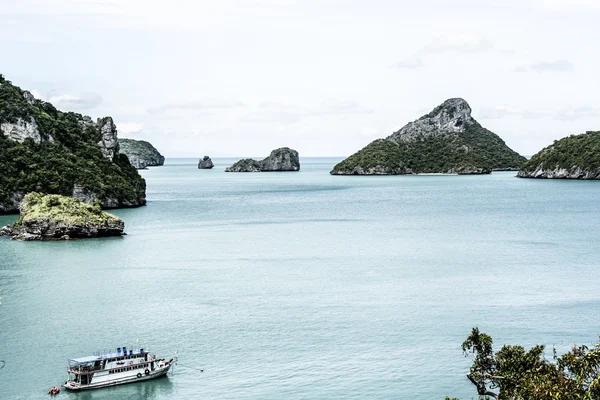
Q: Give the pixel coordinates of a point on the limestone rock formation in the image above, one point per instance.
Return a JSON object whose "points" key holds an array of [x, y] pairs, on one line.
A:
{"points": [[282, 159], [72, 155], [572, 157], [141, 153], [205, 163], [109, 144], [448, 140], [47, 217], [21, 129]]}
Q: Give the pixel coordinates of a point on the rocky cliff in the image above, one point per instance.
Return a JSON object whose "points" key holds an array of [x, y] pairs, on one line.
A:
{"points": [[572, 157], [205, 163], [48, 217], [447, 140], [46, 150], [141, 154], [282, 159]]}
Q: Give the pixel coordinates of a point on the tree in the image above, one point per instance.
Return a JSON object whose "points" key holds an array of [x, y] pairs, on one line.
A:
{"points": [[514, 373]]}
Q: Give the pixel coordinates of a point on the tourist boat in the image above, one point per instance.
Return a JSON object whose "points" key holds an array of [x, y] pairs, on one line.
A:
{"points": [[112, 369]]}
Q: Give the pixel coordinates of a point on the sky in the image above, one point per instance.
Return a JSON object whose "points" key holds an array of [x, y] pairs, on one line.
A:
{"points": [[325, 77]]}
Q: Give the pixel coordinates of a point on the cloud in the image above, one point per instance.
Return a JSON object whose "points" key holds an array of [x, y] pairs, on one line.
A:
{"points": [[84, 101], [129, 127], [409, 63], [458, 43], [274, 111], [566, 114], [195, 106], [547, 66]]}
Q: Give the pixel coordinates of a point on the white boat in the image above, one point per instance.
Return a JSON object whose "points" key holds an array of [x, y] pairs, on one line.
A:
{"points": [[118, 368]]}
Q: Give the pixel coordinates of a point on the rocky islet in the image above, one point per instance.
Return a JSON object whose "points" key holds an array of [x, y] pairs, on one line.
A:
{"points": [[281, 159]]}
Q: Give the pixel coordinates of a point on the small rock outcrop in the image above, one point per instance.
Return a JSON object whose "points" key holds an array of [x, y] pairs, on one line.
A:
{"points": [[572, 157], [448, 140], [109, 144], [141, 153], [282, 159], [55, 217], [205, 163]]}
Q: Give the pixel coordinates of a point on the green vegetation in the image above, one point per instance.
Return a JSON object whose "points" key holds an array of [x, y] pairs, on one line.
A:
{"points": [[514, 373], [72, 157], [572, 152], [62, 209], [474, 148], [140, 150]]}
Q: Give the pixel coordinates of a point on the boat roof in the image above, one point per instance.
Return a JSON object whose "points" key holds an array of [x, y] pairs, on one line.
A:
{"points": [[89, 359]]}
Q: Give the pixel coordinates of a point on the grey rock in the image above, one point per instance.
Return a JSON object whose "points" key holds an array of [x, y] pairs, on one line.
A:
{"points": [[29, 97], [48, 229], [141, 154], [84, 195], [205, 163], [245, 165], [543, 172], [11, 205], [282, 159], [22, 129], [449, 118], [109, 144]]}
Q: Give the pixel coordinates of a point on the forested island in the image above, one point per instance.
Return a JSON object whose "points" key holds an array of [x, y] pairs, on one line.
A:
{"points": [[46, 150], [572, 157], [141, 153], [447, 140]]}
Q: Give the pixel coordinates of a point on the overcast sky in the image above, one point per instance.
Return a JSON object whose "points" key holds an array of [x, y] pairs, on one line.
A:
{"points": [[326, 77]]}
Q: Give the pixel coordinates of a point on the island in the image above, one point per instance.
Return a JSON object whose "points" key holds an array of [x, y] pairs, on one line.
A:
{"points": [[56, 217], [282, 159], [205, 163], [46, 150], [448, 140], [572, 157], [141, 154]]}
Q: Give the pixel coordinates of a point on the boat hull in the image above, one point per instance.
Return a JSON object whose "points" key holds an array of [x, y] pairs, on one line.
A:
{"points": [[74, 387]]}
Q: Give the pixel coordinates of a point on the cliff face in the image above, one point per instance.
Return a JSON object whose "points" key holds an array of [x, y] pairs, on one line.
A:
{"points": [[45, 150], [282, 159], [109, 144], [447, 140], [573, 157], [141, 154]]}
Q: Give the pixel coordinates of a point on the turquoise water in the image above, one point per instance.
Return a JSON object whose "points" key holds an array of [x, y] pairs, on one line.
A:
{"points": [[305, 285]]}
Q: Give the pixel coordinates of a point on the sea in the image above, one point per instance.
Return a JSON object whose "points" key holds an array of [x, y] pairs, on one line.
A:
{"points": [[304, 285]]}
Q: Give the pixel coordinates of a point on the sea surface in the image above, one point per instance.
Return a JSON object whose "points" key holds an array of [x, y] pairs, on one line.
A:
{"points": [[303, 285]]}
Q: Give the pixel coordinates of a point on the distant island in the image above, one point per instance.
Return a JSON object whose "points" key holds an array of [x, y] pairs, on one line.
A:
{"points": [[282, 159], [46, 150], [572, 157], [141, 154], [55, 217], [205, 163], [447, 140]]}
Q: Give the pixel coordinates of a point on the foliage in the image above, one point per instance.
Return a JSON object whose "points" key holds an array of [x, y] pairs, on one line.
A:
{"points": [[474, 147], [71, 158], [575, 151], [141, 150], [514, 373], [62, 209]]}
